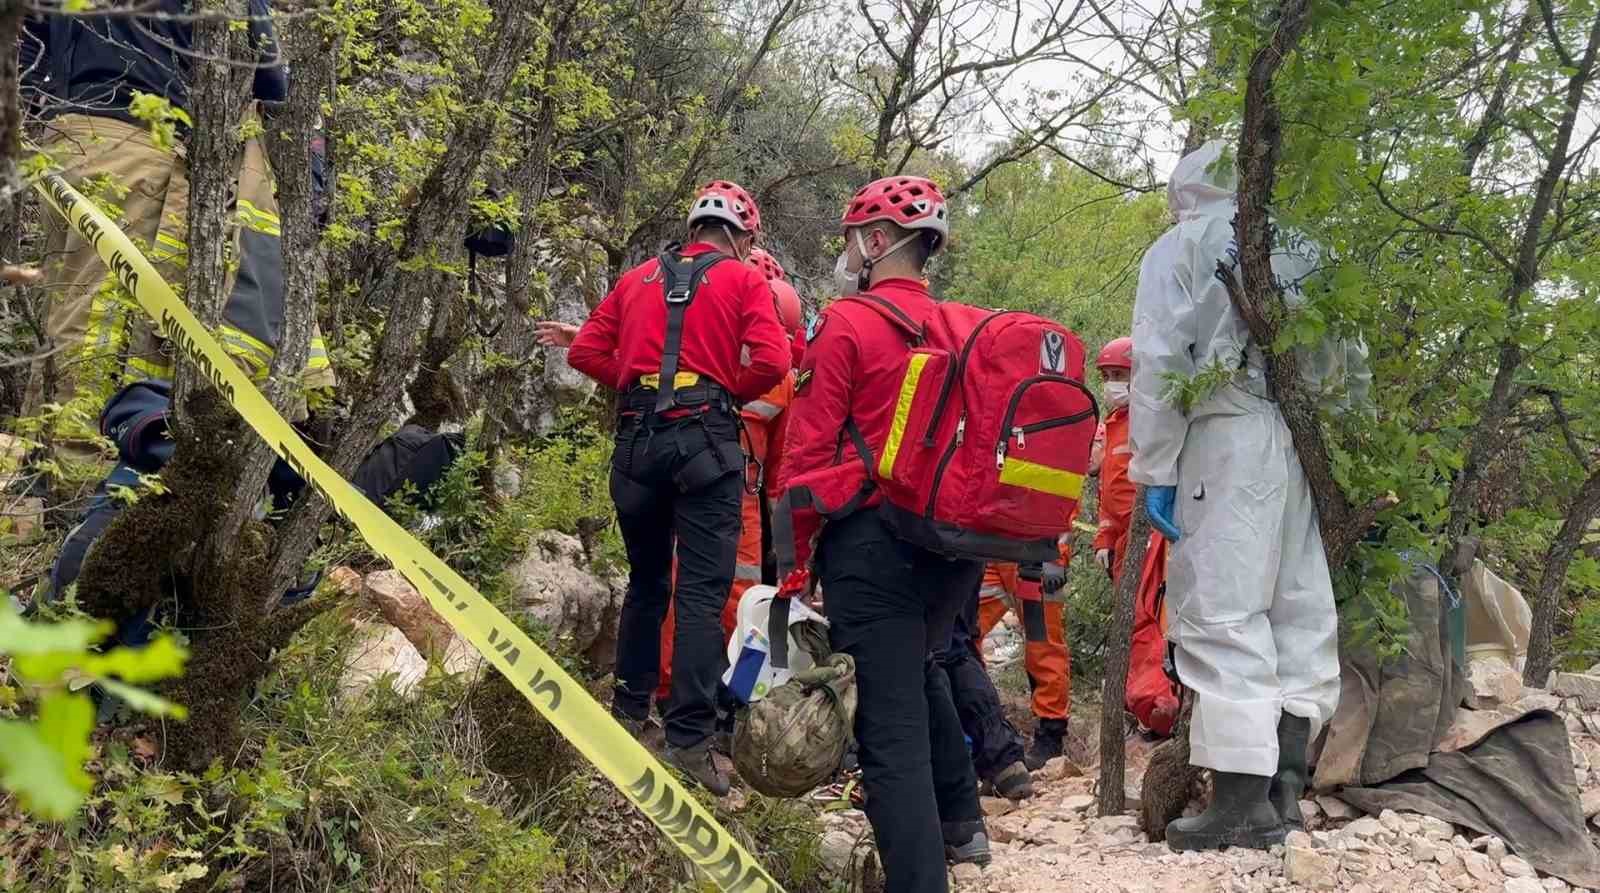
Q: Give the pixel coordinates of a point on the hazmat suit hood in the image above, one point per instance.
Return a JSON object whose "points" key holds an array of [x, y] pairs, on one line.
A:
{"points": [[1203, 183]]}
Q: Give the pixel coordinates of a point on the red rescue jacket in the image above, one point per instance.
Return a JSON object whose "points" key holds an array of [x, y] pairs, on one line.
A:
{"points": [[732, 310], [852, 345], [1116, 490]]}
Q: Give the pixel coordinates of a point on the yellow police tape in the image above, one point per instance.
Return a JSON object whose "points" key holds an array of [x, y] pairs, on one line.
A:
{"points": [[541, 680]]}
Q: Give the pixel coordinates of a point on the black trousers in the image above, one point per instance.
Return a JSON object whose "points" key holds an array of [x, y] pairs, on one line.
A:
{"points": [[889, 604], [676, 485], [996, 743]]}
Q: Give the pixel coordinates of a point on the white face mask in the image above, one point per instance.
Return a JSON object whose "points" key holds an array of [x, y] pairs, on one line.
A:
{"points": [[844, 281], [1114, 393], [848, 281]]}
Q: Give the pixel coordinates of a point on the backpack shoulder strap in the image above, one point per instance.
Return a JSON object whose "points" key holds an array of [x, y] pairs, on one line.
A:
{"points": [[891, 312], [680, 278]]}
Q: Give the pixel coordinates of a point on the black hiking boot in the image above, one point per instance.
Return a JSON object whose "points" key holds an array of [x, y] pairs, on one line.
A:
{"points": [[1240, 814], [696, 762], [1048, 743], [1289, 785], [1013, 782], [966, 842]]}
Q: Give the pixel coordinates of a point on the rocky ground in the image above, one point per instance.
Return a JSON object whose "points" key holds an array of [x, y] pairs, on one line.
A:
{"points": [[1058, 841]]}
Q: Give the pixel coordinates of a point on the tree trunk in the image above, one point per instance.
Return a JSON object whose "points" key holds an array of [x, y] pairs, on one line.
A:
{"points": [[531, 181], [434, 229], [1259, 300], [214, 156], [1114, 687], [1485, 438], [895, 102], [1557, 559], [213, 153]]}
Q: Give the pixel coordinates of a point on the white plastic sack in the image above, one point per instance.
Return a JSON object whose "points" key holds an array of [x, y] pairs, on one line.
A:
{"points": [[750, 674], [1498, 617]]}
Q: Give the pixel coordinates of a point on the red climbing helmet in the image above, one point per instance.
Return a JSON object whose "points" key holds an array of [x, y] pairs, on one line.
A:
{"points": [[787, 300], [910, 202], [728, 202], [766, 265], [1117, 354]]}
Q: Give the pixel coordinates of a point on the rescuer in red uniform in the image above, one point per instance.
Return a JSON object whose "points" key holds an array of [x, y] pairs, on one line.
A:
{"points": [[671, 337]]}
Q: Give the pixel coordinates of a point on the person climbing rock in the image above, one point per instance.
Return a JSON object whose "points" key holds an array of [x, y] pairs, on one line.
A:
{"points": [[670, 337]]}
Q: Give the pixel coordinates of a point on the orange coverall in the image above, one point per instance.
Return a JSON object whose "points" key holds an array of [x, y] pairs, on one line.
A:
{"points": [[1150, 694], [1045, 656], [1116, 490], [764, 420]]}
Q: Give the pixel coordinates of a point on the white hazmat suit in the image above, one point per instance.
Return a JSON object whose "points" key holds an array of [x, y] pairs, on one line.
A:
{"points": [[1251, 605]]}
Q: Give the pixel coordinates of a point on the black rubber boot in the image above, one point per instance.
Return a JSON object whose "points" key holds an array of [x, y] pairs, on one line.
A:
{"points": [[966, 842], [1289, 785], [1240, 814], [696, 763], [1048, 743]]}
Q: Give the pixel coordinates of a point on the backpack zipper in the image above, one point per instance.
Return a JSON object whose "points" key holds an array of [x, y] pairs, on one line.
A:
{"points": [[944, 462], [956, 373], [1007, 430]]}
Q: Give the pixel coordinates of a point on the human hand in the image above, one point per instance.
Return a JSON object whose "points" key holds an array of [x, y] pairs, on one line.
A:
{"points": [[550, 333], [1161, 502], [1052, 578], [796, 585], [1102, 557]]}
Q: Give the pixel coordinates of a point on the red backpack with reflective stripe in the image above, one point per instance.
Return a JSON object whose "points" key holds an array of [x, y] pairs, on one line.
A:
{"points": [[992, 428]]}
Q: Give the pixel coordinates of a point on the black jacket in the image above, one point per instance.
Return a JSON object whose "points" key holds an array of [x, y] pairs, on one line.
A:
{"points": [[93, 64]]}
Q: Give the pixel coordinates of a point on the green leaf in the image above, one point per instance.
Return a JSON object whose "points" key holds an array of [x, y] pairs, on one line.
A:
{"points": [[162, 658], [42, 762], [19, 638], [144, 701]]}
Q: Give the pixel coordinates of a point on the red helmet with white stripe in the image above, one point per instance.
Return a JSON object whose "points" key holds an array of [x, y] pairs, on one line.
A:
{"points": [[766, 265], [1117, 354], [912, 203], [727, 202]]}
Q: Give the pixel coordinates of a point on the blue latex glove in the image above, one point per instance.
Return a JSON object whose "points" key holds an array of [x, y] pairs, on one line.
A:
{"points": [[1160, 503]]}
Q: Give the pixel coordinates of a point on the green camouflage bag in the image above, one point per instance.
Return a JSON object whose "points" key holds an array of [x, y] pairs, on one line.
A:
{"points": [[793, 740]]}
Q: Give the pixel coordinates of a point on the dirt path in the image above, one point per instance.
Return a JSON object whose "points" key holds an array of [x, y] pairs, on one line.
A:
{"points": [[1056, 841]]}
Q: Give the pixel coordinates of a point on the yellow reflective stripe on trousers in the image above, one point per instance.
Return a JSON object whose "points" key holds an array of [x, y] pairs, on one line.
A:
{"points": [[1043, 478], [104, 327], [140, 369], [318, 358], [261, 221], [547, 686], [169, 247], [902, 413], [256, 356]]}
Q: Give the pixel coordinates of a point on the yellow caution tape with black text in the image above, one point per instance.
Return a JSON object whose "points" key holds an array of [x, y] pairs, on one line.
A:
{"points": [[541, 680]]}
